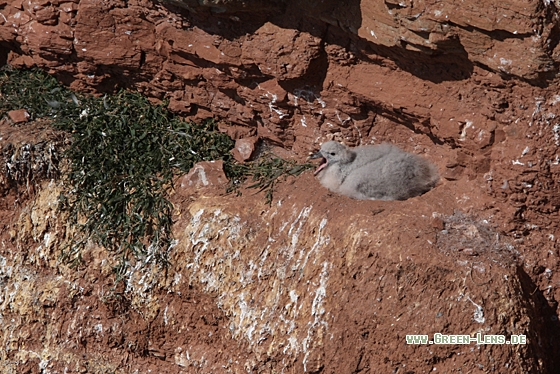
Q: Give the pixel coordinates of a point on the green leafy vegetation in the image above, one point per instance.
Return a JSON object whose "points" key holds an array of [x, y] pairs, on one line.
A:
{"points": [[33, 90], [266, 171], [123, 155]]}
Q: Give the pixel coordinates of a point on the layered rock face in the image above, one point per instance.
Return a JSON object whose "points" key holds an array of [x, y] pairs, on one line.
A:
{"points": [[308, 68], [315, 282]]}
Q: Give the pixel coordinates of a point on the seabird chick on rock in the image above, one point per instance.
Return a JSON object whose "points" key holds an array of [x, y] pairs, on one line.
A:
{"points": [[375, 172]]}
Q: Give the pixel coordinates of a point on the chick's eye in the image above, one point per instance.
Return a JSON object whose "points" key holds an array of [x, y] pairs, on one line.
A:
{"points": [[332, 153]]}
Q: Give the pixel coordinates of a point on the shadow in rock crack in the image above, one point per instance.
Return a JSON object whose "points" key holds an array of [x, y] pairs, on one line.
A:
{"points": [[337, 23], [228, 24], [437, 68], [545, 333], [234, 19], [3, 55], [409, 121], [424, 63]]}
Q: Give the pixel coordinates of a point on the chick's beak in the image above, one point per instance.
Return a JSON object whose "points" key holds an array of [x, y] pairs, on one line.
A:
{"points": [[323, 163], [316, 155]]}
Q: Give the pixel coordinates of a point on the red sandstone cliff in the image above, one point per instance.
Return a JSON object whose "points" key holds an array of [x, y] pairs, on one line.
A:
{"points": [[317, 282]]}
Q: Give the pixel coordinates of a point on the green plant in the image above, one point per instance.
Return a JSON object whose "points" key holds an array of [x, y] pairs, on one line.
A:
{"points": [[266, 171], [33, 90], [124, 153], [123, 156]]}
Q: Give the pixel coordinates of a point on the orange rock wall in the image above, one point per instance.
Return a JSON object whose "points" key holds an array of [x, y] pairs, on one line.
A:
{"points": [[471, 85]]}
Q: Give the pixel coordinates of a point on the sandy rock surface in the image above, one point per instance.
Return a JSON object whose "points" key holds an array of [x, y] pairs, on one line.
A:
{"points": [[315, 282]]}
